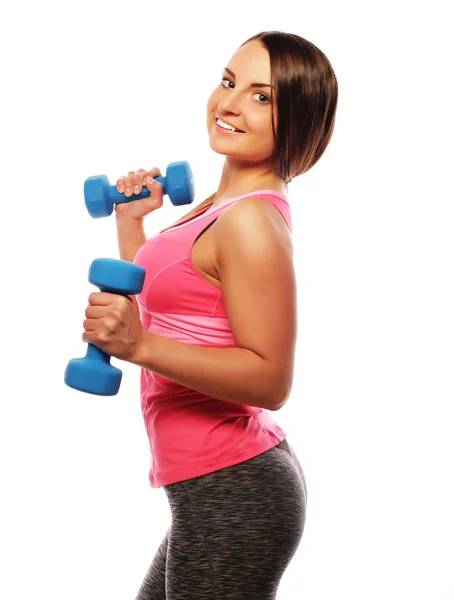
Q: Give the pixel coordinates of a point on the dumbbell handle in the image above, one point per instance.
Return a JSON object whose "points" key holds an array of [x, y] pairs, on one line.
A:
{"points": [[93, 352], [118, 198]]}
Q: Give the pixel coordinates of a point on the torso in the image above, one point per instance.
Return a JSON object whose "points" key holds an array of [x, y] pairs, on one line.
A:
{"points": [[203, 254]]}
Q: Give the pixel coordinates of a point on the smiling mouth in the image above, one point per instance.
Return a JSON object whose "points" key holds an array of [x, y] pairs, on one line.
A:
{"points": [[226, 128]]}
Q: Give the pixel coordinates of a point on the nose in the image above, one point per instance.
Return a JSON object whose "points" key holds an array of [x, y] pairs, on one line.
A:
{"points": [[229, 103]]}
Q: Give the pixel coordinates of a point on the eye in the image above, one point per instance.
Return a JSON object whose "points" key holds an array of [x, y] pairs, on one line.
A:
{"points": [[226, 79], [267, 100], [263, 95]]}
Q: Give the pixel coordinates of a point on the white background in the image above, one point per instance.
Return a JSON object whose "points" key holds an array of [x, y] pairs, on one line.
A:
{"points": [[106, 87]]}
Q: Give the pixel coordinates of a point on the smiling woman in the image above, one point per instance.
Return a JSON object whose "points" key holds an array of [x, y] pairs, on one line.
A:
{"points": [[300, 85], [218, 327]]}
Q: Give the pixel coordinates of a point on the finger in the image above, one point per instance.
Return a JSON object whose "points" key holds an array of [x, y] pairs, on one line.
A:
{"points": [[149, 183], [121, 185], [89, 337], [91, 324], [128, 184], [154, 172], [153, 186], [108, 323], [104, 298], [149, 178], [137, 181], [95, 312]]}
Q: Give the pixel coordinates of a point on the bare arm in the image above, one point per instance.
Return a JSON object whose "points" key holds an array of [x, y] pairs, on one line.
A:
{"points": [[235, 375], [129, 216], [131, 236]]}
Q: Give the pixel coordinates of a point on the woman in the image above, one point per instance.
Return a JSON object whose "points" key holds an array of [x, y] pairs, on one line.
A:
{"points": [[214, 330]]}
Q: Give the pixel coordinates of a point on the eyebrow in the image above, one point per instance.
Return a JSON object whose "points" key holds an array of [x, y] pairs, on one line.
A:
{"points": [[252, 84]]}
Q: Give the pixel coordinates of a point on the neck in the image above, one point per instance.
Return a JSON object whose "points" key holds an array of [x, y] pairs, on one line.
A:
{"points": [[238, 179]]}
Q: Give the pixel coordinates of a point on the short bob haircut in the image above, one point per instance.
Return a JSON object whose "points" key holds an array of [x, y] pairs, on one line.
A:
{"points": [[306, 97]]}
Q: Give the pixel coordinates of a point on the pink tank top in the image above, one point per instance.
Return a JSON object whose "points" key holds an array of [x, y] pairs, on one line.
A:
{"points": [[192, 434]]}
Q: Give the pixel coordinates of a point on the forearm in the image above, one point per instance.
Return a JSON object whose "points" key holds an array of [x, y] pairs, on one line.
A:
{"points": [[131, 236], [235, 375]]}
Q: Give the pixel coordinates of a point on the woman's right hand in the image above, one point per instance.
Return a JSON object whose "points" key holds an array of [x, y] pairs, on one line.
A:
{"points": [[133, 183]]}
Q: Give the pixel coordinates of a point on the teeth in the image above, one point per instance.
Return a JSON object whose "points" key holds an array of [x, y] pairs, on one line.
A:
{"points": [[225, 125]]}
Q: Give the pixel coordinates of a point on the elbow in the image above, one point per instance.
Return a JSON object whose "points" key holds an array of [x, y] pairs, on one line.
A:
{"points": [[280, 397], [274, 406], [279, 402], [278, 382]]}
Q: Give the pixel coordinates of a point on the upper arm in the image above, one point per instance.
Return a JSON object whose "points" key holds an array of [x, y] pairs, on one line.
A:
{"points": [[255, 267]]}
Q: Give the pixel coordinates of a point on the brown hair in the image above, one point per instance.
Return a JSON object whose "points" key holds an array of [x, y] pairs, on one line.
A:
{"points": [[306, 96]]}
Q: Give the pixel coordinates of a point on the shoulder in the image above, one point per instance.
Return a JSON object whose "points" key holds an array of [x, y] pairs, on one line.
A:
{"points": [[252, 219]]}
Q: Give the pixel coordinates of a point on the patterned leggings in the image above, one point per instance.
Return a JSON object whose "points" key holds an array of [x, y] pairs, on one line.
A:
{"points": [[233, 532]]}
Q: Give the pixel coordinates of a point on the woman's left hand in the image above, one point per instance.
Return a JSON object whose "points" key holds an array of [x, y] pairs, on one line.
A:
{"points": [[113, 324]]}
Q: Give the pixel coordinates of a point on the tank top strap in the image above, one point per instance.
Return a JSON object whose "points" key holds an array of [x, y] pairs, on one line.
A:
{"points": [[279, 200]]}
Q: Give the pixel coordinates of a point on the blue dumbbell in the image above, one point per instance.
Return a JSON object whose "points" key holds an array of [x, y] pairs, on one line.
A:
{"points": [[100, 196], [94, 374]]}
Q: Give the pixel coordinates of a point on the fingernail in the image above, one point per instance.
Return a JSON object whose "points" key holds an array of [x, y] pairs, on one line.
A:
{"points": [[128, 190], [136, 189]]}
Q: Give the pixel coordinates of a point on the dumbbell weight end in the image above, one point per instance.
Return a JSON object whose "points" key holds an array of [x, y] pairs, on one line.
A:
{"points": [[93, 374]]}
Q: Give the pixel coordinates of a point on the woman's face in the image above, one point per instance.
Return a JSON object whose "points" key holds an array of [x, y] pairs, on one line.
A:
{"points": [[246, 107]]}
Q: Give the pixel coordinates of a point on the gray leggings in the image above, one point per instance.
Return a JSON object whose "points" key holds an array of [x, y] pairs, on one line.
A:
{"points": [[233, 532]]}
